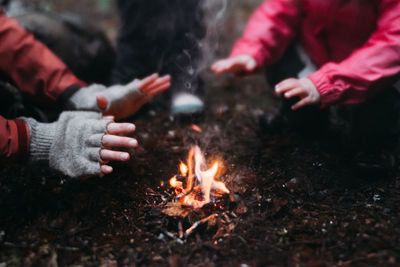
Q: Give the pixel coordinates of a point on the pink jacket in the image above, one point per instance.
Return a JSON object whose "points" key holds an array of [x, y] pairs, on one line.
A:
{"points": [[355, 43]]}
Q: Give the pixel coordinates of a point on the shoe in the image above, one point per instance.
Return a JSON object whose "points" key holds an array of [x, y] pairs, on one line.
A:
{"points": [[186, 104]]}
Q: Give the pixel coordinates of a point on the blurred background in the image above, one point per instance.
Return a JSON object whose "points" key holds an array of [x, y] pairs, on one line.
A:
{"points": [[99, 12], [102, 13]]}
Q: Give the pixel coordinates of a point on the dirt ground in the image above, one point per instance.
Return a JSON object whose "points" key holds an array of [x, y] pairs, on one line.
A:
{"points": [[294, 201]]}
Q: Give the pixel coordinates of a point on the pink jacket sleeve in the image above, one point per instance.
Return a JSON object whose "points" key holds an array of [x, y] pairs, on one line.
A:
{"points": [[368, 69], [269, 31]]}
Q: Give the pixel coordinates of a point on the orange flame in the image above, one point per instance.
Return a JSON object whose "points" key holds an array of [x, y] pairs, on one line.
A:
{"points": [[189, 185], [174, 182], [183, 169], [207, 185]]}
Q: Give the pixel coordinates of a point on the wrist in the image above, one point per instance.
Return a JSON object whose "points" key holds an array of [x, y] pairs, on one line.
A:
{"points": [[328, 96], [85, 98], [313, 89], [41, 138]]}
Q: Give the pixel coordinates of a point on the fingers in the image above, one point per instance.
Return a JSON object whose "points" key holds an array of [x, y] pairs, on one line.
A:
{"points": [[220, 66], [113, 140], [235, 65], [105, 169], [303, 88], [110, 155], [148, 80], [159, 82], [286, 85], [226, 65], [303, 102], [119, 141], [162, 82], [109, 117], [159, 89], [291, 88], [300, 92], [120, 128]]}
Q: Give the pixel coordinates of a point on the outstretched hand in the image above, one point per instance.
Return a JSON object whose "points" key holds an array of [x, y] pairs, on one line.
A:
{"points": [[124, 101], [303, 88], [154, 84], [236, 65], [116, 138]]}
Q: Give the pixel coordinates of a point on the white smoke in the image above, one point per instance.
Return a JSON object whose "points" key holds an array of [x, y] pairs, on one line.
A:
{"points": [[214, 15]]}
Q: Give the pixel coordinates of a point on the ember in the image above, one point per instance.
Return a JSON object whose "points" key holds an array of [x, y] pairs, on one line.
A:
{"points": [[205, 188], [196, 128]]}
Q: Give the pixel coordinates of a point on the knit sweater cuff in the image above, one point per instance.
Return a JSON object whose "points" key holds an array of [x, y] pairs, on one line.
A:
{"points": [[41, 139]]}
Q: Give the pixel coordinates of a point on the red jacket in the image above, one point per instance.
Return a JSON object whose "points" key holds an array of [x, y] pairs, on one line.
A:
{"points": [[355, 43], [37, 72]]}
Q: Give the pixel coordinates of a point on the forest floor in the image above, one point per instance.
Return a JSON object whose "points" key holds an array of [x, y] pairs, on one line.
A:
{"points": [[296, 201]]}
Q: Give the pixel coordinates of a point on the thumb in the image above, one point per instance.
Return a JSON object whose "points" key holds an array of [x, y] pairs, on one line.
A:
{"points": [[250, 66], [102, 102]]}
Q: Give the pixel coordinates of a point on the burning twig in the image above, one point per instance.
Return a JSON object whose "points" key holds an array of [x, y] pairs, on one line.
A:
{"points": [[208, 186], [190, 230], [180, 228]]}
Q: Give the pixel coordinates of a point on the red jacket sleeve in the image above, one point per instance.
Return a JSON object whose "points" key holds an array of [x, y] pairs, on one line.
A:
{"points": [[368, 69], [269, 31], [14, 140], [33, 68]]}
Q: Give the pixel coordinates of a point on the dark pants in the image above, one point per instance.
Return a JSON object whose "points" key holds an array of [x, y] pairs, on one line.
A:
{"points": [[373, 125], [370, 126], [159, 36]]}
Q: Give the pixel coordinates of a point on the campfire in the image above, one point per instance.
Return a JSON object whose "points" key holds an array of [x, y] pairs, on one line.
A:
{"points": [[196, 186]]}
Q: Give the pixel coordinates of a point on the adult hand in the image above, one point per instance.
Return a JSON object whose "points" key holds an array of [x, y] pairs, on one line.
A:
{"points": [[303, 88], [79, 143], [113, 141], [235, 65]]}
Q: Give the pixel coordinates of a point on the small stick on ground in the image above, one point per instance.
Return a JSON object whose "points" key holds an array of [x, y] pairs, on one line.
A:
{"points": [[190, 230], [180, 228]]}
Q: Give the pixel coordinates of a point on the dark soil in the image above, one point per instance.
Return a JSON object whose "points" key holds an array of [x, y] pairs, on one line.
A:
{"points": [[296, 201]]}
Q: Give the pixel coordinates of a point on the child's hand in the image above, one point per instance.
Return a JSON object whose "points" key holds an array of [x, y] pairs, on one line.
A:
{"points": [[154, 84], [122, 101], [303, 88], [235, 65]]}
